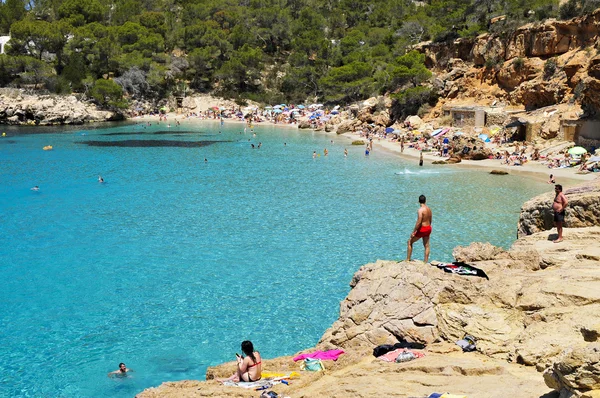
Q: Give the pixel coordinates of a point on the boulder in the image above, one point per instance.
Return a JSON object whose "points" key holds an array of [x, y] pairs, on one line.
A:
{"points": [[415, 121], [576, 369], [304, 124], [583, 209], [476, 252], [515, 72], [499, 172], [382, 119]]}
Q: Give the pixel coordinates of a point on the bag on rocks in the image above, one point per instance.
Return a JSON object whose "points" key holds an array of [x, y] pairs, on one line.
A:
{"points": [[312, 365], [467, 343]]}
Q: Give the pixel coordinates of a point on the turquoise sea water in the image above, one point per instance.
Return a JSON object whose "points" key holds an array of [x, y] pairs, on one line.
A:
{"points": [[172, 262]]}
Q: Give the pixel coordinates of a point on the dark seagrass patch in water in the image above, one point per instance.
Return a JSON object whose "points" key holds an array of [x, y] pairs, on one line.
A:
{"points": [[149, 143]]}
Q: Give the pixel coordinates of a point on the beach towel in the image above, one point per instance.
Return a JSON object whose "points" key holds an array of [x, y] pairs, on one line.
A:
{"points": [[263, 384], [275, 375], [462, 268], [324, 355], [392, 355]]}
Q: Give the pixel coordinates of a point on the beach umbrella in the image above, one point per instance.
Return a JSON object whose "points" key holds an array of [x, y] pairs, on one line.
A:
{"points": [[577, 150], [593, 159], [335, 112], [277, 110], [277, 107], [434, 133], [484, 137], [301, 107], [389, 130], [268, 107], [459, 133]]}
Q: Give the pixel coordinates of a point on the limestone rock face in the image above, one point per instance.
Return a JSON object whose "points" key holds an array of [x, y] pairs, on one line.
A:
{"points": [[583, 209], [539, 93], [512, 73], [577, 369], [19, 108], [540, 303], [487, 48]]}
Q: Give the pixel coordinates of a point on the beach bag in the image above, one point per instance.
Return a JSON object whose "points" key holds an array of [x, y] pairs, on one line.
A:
{"points": [[468, 343], [312, 365]]}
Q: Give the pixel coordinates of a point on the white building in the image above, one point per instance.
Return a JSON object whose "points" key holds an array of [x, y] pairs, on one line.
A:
{"points": [[3, 41]]}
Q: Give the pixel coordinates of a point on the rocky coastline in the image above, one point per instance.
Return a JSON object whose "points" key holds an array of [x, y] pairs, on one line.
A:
{"points": [[20, 108], [536, 320]]}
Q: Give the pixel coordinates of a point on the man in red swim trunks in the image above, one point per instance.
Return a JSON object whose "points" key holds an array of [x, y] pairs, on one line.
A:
{"points": [[422, 229]]}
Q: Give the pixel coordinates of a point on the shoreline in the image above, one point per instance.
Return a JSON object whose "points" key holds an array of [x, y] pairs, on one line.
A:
{"points": [[565, 176]]}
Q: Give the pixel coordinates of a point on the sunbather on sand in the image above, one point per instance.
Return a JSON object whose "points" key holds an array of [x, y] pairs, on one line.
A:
{"points": [[249, 367]]}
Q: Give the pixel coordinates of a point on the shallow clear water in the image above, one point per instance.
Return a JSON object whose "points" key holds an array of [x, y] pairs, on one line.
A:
{"points": [[172, 262]]}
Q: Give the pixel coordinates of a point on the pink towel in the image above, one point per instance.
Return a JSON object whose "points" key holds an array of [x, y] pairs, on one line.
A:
{"points": [[392, 355], [325, 355]]}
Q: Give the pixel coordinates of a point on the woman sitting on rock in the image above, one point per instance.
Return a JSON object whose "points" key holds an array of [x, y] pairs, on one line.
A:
{"points": [[249, 366]]}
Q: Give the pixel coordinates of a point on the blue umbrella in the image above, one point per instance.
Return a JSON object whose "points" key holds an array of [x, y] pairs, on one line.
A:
{"points": [[301, 107], [484, 137], [389, 130], [277, 111]]}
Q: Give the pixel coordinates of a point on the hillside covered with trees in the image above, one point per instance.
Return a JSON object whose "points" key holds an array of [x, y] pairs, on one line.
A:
{"points": [[264, 50]]}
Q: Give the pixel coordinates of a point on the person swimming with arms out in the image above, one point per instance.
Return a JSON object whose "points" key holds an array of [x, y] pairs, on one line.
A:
{"points": [[121, 372]]}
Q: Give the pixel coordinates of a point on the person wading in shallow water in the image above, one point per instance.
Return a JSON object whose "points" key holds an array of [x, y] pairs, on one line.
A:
{"points": [[559, 205], [422, 229]]}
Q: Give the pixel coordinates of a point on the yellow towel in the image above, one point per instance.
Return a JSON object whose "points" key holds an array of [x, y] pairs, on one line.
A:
{"points": [[291, 375]]}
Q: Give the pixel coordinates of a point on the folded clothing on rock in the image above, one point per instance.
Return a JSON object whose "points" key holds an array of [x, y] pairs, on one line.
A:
{"points": [[392, 355], [385, 348]]}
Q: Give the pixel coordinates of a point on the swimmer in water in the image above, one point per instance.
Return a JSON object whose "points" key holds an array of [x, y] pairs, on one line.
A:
{"points": [[100, 179], [35, 189], [122, 371]]}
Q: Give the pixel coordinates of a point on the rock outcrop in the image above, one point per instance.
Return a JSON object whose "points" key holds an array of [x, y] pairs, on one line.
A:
{"points": [[538, 65], [17, 107], [583, 209]]}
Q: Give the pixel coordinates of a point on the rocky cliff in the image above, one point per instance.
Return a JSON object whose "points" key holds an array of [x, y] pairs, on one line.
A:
{"points": [[537, 65], [16, 107], [583, 209], [537, 322]]}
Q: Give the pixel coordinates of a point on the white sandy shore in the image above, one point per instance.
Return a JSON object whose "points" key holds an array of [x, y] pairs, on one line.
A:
{"points": [[539, 171], [565, 176]]}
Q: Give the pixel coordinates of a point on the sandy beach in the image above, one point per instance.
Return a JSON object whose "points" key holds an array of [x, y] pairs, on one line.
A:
{"points": [[537, 170], [565, 176]]}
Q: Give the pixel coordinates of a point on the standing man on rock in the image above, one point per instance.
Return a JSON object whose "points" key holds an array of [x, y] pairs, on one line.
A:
{"points": [[422, 229], [559, 205]]}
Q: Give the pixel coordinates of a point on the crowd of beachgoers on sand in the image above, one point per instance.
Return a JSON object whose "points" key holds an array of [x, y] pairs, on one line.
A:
{"points": [[498, 144]]}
